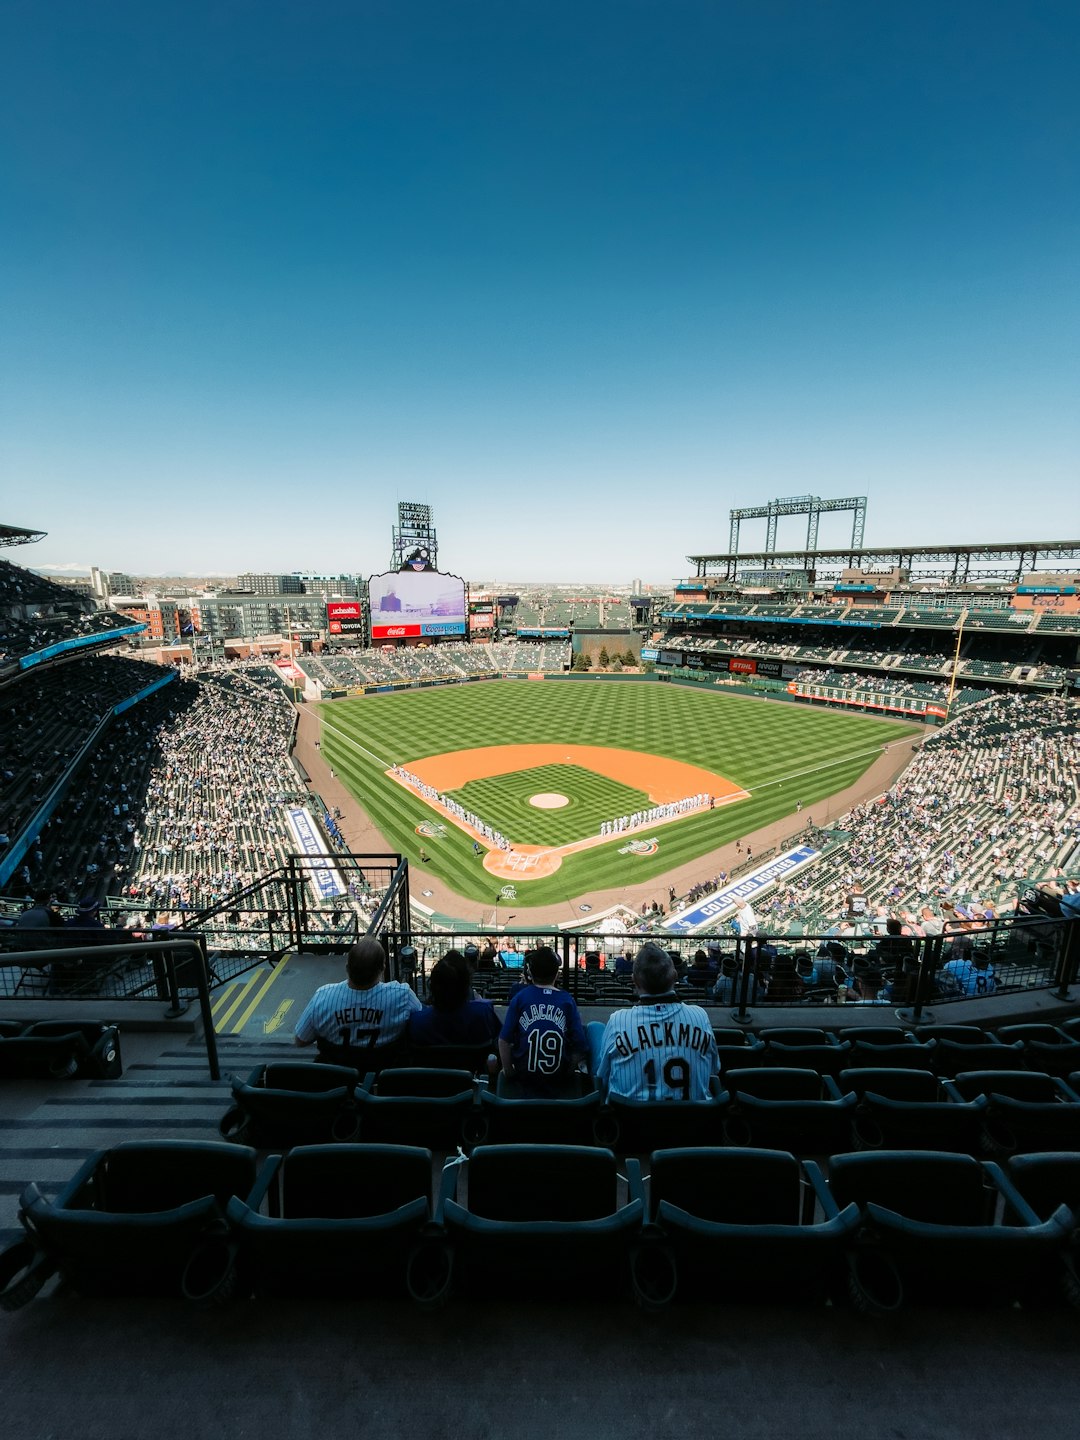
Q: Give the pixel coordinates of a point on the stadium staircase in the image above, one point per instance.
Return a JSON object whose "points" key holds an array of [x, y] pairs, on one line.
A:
{"points": [[50, 1127]]}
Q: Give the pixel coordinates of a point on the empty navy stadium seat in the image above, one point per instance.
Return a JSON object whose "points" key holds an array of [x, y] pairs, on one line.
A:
{"points": [[912, 1110], [795, 1110], [545, 1211], [133, 1219], [740, 1224], [293, 1103], [640, 1126], [342, 1221], [502, 1120], [416, 1106], [930, 1231]]}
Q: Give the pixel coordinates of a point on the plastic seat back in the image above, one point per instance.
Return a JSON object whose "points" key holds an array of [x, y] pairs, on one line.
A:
{"points": [[534, 1183], [952, 1059], [919, 1185], [1017, 1084], [343, 1182], [776, 1083], [420, 1082], [1048, 1180], [896, 1084], [728, 1186]]}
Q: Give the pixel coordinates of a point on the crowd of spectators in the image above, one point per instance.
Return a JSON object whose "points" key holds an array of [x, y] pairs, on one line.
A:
{"points": [[447, 661], [36, 612]]}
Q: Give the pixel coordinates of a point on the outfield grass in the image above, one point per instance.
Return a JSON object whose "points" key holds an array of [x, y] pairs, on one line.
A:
{"points": [[780, 753], [503, 801]]}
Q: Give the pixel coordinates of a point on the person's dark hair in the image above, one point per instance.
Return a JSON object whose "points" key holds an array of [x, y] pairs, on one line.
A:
{"points": [[448, 984], [654, 970], [893, 926], [543, 964], [365, 963]]}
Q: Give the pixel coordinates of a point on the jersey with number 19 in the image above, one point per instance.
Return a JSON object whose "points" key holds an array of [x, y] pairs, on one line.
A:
{"points": [[659, 1050], [545, 1035]]}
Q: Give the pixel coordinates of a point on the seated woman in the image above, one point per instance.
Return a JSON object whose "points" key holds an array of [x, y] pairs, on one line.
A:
{"points": [[452, 1018]]}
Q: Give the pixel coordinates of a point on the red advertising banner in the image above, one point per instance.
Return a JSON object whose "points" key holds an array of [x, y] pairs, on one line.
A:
{"points": [[394, 632], [344, 617], [743, 667]]}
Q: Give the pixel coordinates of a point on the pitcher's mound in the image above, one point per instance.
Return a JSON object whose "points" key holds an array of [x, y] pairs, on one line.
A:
{"points": [[549, 800]]}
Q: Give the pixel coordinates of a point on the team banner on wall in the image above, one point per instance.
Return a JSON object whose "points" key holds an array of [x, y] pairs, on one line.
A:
{"points": [[323, 875], [724, 901]]}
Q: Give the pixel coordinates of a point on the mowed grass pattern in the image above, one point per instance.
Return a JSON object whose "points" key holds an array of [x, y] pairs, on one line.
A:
{"points": [[503, 801], [782, 753]]}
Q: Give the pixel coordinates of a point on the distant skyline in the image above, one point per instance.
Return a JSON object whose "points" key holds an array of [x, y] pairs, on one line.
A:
{"points": [[582, 278]]}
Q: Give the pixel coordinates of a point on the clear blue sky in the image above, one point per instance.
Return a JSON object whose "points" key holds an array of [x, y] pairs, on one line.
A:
{"points": [[581, 276]]}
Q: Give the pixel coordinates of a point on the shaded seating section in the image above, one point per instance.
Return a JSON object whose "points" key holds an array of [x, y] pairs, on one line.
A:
{"points": [[502, 1120], [931, 1232], [827, 1056], [902, 1109], [541, 1210], [907, 1055], [131, 1221], [741, 1224], [952, 1059], [416, 1106], [59, 1050], [638, 1127], [1027, 1111], [1046, 1048], [334, 1220], [293, 1103], [797, 1110], [738, 1048]]}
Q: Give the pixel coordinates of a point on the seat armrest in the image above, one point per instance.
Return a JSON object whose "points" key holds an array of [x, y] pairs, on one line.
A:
{"points": [[634, 1184], [269, 1170], [448, 1188], [1009, 1193], [80, 1181], [822, 1193], [832, 1089]]}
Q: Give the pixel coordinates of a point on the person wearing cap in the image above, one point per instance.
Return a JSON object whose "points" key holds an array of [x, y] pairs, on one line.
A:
{"points": [[86, 917]]}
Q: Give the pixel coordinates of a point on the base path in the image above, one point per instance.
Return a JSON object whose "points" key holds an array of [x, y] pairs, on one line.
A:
{"points": [[661, 779]]}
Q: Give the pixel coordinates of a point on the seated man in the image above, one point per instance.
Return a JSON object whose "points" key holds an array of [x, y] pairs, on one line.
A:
{"points": [[453, 1017], [967, 972], [360, 1014], [658, 1049], [542, 1041]]}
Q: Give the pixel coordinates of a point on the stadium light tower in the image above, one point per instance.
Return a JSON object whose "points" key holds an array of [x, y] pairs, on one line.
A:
{"points": [[811, 506], [415, 530]]}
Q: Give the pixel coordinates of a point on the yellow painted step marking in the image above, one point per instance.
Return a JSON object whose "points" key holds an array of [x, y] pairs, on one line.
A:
{"points": [[244, 991], [223, 998], [246, 1016], [278, 1018]]}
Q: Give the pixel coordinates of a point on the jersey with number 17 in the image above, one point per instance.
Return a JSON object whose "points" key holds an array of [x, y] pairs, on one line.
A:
{"points": [[660, 1051]]}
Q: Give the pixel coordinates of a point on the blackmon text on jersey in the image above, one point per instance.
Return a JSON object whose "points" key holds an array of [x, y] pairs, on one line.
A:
{"points": [[534, 1013], [663, 1035]]}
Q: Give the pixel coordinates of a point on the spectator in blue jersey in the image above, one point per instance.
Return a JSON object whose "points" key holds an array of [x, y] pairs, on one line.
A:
{"points": [[453, 1018], [362, 1014], [966, 972], [658, 1049], [542, 1041]]}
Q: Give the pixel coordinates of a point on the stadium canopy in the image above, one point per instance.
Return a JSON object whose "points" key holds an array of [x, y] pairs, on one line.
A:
{"points": [[17, 535], [1011, 559]]}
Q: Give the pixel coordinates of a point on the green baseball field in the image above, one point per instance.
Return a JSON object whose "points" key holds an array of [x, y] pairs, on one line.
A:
{"points": [[626, 742]]}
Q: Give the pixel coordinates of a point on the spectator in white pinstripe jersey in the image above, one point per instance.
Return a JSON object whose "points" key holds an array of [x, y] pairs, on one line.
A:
{"points": [[658, 1049]]}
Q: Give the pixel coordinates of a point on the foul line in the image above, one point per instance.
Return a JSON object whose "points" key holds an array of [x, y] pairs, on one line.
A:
{"points": [[829, 765]]}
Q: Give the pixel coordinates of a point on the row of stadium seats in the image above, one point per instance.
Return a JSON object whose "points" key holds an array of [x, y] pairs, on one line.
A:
{"points": [[874, 1097], [887, 1228], [59, 1050]]}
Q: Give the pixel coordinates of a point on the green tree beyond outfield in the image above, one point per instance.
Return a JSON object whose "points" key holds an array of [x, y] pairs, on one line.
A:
{"points": [[780, 753]]}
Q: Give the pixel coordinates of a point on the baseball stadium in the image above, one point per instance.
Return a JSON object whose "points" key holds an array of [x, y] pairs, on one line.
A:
{"points": [[829, 796]]}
